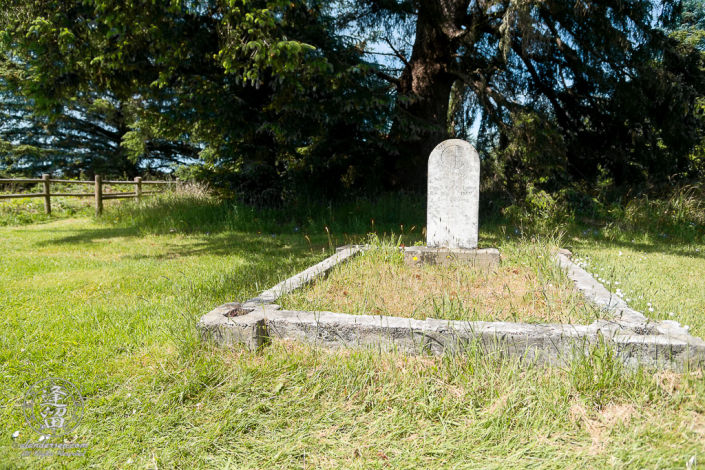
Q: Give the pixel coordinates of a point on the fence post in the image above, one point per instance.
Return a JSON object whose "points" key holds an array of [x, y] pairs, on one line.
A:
{"points": [[98, 195], [176, 187], [138, 187], [47, 194]]}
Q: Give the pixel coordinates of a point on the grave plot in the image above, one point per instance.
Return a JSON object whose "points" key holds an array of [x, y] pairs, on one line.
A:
{"points": [[528, 287], [636, 340], [449, 297]]}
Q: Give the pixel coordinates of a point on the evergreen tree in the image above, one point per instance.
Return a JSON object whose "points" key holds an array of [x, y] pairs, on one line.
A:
{"points": [[566, 90], [265, 91], [279, 94], [89, 136]]}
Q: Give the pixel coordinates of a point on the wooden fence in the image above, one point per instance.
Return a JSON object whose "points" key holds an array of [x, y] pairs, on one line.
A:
{"points": [[98, 194]]}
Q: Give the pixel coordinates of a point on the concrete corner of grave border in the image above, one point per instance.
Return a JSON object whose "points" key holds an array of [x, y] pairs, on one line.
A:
{"points": [[248, 329], [245, 323], [636, 339]]}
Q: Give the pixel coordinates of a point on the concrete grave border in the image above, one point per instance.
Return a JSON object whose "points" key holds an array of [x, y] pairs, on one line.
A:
{"points": [[636, 339]]}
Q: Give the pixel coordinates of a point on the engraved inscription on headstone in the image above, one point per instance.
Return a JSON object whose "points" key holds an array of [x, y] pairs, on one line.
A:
{"points": [[452, 157], [453, 195]]}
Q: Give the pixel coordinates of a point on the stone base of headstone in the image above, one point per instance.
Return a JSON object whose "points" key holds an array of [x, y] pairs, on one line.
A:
{"points": [[485, 258]]}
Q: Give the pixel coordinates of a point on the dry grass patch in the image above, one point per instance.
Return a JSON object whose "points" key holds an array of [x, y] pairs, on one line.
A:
{"points": [[600, 424], [526, 288]]}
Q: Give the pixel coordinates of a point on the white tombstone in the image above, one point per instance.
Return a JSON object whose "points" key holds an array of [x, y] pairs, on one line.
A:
{"points": [[453, 196]]}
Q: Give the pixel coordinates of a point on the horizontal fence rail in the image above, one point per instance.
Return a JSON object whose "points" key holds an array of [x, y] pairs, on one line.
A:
{"points": [[98, 194], [37, 180]]}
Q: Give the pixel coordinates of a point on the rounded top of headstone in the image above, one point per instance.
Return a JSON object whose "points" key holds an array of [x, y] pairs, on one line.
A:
{"points": [[453, 154]]}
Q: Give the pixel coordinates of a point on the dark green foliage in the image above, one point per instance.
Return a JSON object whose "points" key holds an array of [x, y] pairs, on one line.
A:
{"points": [[91, 135], [691, 29], [264, 94], [282, 99], [592, 86]]}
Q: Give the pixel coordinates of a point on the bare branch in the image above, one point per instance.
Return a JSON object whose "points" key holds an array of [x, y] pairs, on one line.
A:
{"points": [[389, 78], [397, 53], [380, 53]]}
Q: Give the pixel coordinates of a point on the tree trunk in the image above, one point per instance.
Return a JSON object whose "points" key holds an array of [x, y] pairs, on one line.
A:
{"points": [[426, 79]]}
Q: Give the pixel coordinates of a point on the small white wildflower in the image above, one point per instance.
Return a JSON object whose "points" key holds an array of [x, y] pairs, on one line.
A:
{"points": [[686, 327], [129, 460], [629, 300], [15, 434], [651, 309], [616, 283], [648, 303], [670, 314], [41, 438], [620, 253]]}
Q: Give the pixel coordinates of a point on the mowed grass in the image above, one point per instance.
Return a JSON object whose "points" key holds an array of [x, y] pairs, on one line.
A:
{"points": [[663, 279], [112, 308], [528, 287], [83, 301]]}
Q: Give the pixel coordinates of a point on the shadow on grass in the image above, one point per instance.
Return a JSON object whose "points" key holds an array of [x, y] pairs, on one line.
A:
{"points": [[255, 242], [235, 244], [89, 235], [285, 255], [671, 247], [223, 227]]}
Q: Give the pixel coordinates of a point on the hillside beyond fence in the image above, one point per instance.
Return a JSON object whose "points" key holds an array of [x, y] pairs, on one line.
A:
{"points": [[98, 194]]}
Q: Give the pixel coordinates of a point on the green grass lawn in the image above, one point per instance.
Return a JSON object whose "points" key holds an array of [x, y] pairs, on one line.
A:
{"points": [[665, 280], [112, 308]]}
